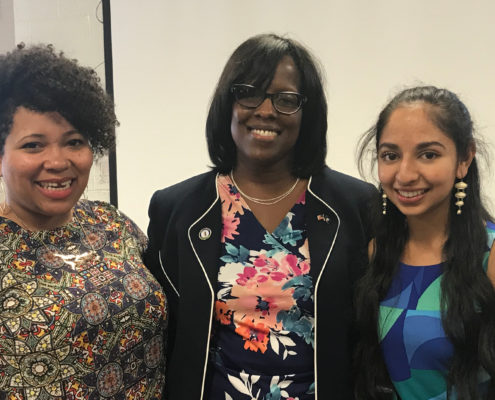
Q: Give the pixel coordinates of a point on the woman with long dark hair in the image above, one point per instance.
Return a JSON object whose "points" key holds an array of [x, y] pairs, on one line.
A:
{"points": [[426, 305]]}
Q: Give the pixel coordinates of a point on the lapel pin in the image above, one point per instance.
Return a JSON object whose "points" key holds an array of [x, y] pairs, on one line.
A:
{"points": [[323, 217], [205, 233]]}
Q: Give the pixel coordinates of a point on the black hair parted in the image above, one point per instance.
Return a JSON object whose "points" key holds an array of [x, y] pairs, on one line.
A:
{"points": [[43, 80], [468, 297], [254, 62]]}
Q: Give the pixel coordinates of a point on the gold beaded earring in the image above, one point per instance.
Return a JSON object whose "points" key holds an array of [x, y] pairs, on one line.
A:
{"points": [[460, 195], [384, 203]]}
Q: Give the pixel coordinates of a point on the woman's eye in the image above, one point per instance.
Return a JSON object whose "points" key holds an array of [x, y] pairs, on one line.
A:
{"points": [[429, 155], [387, 156], [31, 145], [76, 142]]}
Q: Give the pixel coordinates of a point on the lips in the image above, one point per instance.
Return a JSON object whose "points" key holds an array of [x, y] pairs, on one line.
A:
{"points": [[55, 185], [264, 132], [411, 193]]}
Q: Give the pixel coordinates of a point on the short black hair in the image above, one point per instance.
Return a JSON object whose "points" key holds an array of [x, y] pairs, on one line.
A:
{"points": [[255, 62], [43, 80]]}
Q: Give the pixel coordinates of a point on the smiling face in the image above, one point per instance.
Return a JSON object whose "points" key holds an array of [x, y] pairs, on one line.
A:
{"points": [[45, 166], [418, 163], [263, 136]]}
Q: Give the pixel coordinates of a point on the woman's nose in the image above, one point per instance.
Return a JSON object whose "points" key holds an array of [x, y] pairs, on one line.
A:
{"points": [[407, 172], [56, 159], [266, 109]]}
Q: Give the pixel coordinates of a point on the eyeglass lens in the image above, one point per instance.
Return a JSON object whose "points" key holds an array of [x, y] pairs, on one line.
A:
{"points": [[252, 97]]}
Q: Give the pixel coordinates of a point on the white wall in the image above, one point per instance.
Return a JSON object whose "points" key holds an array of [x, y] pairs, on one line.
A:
{"points": [[72, 26], [169, 54], [7, 35]]}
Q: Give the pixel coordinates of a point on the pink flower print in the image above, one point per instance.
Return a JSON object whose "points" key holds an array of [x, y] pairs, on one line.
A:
{"points": [[229, 229], [246, 275], [289, 264], [278, 276], [232, 203], [257, 302], [304, 267], [301, 200], [260, 261]]}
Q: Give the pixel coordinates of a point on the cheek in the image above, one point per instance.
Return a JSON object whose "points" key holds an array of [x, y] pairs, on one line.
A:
{"points": [[85, 161], [385, 175]]}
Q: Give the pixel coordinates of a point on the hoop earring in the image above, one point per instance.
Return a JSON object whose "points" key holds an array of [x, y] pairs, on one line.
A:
{"points": [[384, 202], [3, 205], [460, 195]]}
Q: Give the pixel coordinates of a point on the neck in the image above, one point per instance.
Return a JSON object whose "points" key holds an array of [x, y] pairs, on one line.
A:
{"points": [[427, 236], [35, 222]]}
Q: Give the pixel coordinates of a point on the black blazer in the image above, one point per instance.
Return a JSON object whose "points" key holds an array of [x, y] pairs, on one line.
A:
{"points": [[183, 254]]}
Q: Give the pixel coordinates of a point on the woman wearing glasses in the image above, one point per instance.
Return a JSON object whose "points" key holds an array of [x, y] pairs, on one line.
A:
{"points": [[260, 255]]}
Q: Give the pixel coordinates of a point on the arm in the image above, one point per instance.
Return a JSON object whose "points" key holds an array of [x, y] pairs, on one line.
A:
{"points": [[160, 258], [491, 265]]}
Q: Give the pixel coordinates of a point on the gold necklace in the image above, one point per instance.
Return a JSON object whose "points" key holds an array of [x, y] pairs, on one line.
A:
{"points": [[266, 202]]}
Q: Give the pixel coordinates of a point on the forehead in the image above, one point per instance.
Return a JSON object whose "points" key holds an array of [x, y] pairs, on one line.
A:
{"points": [[286, 74], [263, 72], [411, 124], [27, 122]]}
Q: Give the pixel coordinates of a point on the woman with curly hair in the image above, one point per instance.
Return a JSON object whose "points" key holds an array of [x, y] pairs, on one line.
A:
{"points": [[80, 315], [426, 305]]}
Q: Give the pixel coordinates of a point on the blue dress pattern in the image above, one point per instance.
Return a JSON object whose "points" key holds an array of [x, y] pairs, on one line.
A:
{"points": [[263, 340], [415, 347]]}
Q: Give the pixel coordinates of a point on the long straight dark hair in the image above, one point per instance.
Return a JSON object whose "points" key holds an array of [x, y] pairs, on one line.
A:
{"points": [[468, 297]]}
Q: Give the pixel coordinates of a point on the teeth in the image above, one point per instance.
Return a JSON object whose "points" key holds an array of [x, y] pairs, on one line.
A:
{"points": [[55, 186], [262, 132], [411, 194]]}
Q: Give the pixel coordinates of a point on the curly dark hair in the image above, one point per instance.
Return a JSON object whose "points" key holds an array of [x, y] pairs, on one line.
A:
{"points": [[43, 80], [468, 298], [255, 62]]}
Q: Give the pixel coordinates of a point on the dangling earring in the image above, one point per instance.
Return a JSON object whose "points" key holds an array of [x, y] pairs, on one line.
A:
{"points": [[460, 195], [384, 203], [3, 205]]}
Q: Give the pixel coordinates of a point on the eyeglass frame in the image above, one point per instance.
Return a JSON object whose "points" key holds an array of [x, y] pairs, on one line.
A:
{"points": [[302, 98]]}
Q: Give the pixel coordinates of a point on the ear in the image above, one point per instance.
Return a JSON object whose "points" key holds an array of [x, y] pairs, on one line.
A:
{"points": [[463, 165]]}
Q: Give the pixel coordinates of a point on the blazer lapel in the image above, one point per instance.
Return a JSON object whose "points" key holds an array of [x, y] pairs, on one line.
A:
{"points": [[205, 237], [322, 223]]}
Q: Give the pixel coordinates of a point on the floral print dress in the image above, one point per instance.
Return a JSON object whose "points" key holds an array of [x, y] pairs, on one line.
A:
{"points": [[263, 338], [80, 315]]}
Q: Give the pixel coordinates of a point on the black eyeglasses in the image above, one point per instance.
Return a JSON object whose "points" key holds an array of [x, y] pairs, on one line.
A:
{"points": [[252, 97]]}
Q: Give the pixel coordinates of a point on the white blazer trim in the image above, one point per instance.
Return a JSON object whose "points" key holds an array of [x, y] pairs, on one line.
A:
{"points": [[209, 285], [318, 282], [166, 275]]}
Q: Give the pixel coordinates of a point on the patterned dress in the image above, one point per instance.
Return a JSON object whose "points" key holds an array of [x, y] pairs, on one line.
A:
{"points": [[263, 340], [80, 315], [415, 347]]}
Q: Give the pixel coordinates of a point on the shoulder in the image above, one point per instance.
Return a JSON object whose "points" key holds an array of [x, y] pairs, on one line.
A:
{"points": [[98, 211], [490, 230], [489, 261], [340, 187], [185, 189]]}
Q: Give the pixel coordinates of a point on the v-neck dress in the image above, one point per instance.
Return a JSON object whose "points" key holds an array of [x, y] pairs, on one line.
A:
{"points": [[415, 347], [263, 336]]}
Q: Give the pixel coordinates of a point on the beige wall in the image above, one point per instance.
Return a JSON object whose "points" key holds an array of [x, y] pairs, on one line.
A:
{"points": [[72, 26], [168, 56]]}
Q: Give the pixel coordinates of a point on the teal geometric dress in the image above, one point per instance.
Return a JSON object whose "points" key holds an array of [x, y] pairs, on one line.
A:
{"points": [[415, 347]]}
